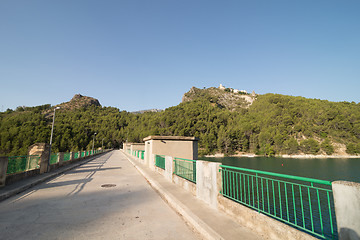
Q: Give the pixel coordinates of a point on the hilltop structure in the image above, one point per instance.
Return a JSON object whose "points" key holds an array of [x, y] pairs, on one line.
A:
{"points": [[222, 87]]}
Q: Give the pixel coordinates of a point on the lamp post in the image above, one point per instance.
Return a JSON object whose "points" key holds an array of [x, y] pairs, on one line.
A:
{"points": [[93, 143], [102, 144], [51, 136]]}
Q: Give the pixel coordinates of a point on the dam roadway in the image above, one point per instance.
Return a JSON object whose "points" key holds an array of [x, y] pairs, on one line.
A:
{"points": [[106, 198]]}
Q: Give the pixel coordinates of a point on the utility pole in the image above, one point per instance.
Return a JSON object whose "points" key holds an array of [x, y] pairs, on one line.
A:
{"points": [[93, 143], [51, 136]]}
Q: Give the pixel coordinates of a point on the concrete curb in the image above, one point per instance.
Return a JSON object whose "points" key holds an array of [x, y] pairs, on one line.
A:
{"points": [[200, 226], [13, 192]]}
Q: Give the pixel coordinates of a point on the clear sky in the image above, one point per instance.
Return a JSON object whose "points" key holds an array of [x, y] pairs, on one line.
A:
{"points": [[142, 54]]}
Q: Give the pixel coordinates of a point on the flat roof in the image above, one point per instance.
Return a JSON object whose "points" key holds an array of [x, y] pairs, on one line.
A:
{"points": [[174, 138]]}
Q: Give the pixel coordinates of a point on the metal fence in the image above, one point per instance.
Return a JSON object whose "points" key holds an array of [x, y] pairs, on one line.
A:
{"points": [[185, 168], [138, 154], [54, 158], [18, 164], [67, 156], [304, 203], [142, 154], [160, 161]]}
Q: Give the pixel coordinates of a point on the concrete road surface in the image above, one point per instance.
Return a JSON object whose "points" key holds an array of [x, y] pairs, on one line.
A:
{"points": [[76, 206]]}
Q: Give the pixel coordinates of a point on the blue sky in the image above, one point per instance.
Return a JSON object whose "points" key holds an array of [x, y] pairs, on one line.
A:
{"points": [[142, 54]]}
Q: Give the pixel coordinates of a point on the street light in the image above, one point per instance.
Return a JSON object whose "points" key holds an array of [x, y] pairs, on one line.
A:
{"points": [[52, 131], [93, 143], [102, 144]]}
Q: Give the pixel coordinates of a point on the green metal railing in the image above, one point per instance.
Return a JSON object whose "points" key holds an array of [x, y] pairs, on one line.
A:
{"points": [[138, 154], [304, 203], [160, 161], [54, 158], [67, 156], [18, 164], [142, 155], [185, 168]]}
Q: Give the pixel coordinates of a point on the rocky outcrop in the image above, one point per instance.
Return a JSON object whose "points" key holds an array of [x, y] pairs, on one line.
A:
{"points": [[77, 102], [80, 101], [221, 98]]}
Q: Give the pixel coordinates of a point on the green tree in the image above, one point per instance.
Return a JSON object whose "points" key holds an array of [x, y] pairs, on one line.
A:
{"points": [[327, 147], [310, 146]]}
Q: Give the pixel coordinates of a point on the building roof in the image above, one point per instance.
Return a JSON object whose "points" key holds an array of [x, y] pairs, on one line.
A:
{"points": [[174, 138]]}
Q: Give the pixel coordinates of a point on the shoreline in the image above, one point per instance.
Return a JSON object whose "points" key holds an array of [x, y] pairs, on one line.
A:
{"points": [[303, 156]]}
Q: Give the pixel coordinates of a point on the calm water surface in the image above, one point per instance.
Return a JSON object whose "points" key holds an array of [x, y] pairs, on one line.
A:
{"points": [[326, 168]]}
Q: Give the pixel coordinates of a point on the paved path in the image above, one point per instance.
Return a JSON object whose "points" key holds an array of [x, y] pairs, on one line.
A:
{"points": [[212, 224], [75, 206]]}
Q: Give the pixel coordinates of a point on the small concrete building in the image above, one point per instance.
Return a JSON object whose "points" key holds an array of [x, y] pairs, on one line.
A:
{"points": [[174, 146]]}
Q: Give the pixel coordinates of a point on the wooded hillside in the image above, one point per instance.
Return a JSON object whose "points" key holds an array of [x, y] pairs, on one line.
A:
{"points": [[272, 124]]}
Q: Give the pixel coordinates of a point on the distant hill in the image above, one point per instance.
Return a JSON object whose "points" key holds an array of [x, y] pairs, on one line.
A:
{"points": [[224, 119]]}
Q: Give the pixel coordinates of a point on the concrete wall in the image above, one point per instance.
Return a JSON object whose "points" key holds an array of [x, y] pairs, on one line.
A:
{"points": [[3, 168], [260, 223], [137, 146], [347, 209], [185, 184]]}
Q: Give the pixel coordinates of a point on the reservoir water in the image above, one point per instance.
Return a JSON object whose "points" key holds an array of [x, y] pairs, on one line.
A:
{"points": [[330, 169]]}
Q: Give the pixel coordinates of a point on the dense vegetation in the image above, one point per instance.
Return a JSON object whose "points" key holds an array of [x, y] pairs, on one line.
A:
{"points": [[273, 124]]}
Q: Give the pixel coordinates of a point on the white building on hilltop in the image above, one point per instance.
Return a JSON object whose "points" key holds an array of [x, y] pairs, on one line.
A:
{"points": [[221, 87]]}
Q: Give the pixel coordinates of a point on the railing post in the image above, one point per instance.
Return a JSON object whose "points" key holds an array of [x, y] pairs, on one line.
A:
{"points": [[61, 158], [207, 182], [3, 168], [347, 209], [169, 168], [44, 159], [72, 154], [152, 162]]}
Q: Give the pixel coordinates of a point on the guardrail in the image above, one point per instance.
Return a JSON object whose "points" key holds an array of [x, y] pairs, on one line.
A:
{"points": [[160, 161], [18, 164], [304, 203], [185, 168], [54, 158], [67, 156]]}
